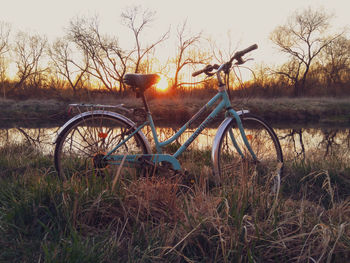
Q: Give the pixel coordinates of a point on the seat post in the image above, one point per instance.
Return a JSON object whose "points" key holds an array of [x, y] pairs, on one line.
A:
{"points": [[145, 102]]}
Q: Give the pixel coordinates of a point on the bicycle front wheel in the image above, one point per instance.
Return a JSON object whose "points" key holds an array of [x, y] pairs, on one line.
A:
{"points": [[81, 146], [237, 166]]}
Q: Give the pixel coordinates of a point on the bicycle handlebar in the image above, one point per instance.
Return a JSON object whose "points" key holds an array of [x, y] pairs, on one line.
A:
{"points": [[244, 51], [207, 70], [237, 56]]}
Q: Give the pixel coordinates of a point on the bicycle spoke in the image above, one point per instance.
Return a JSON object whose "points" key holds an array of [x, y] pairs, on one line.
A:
{"points": [[265, 172], [84, 143]]}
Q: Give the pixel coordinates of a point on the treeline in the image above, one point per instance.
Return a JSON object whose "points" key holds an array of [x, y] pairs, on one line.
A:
{"points": [[86, 62], [318, 62]]}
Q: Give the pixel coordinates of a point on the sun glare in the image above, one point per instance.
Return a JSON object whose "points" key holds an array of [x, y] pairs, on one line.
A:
{"points": [[162, 84]]}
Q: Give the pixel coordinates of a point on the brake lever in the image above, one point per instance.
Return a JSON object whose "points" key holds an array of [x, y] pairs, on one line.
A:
{"points": [[240, 61], [209, 74], [211, 68]]}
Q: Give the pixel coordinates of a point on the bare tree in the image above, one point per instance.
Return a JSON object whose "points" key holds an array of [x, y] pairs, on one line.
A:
{"points": [[138, 19], [29, 50], [187, 52], [302, 38], [66, 64], [335, 62], [5, 29], [106, 60], [222, 52], [3, 76]]}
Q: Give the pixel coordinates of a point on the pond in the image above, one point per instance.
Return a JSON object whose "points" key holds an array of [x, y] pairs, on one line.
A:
{"points": [[295, 142]]}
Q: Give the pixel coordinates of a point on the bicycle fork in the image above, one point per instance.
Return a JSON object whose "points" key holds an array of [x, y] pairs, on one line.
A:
{"points": [[230, 114], [243, 135]]}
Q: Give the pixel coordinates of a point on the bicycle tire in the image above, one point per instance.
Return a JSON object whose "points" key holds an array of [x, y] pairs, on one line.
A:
{"points": [[82, 143], [240, 169]]}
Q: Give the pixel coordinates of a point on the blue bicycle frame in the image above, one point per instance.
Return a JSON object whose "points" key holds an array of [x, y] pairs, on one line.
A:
{"points": [[159, 157]]}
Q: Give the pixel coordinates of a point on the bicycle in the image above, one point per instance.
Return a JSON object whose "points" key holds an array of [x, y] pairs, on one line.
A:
{"points": [[100, 141]]}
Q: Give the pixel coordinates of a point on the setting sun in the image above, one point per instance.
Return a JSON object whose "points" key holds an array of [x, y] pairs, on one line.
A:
{"points": [[162, 84]]}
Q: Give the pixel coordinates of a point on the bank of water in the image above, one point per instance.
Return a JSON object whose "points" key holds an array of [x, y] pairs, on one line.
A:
{"points": [[318, 111]]}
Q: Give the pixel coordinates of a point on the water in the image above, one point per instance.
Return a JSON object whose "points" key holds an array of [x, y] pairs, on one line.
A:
{"points": [[295, 142]]}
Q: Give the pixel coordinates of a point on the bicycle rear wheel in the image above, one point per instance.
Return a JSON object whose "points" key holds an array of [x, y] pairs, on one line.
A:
{"points": [[239, 168], [81, 146]]}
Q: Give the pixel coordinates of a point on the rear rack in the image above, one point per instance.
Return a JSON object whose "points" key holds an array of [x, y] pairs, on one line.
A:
{"points": [[82, 107]]}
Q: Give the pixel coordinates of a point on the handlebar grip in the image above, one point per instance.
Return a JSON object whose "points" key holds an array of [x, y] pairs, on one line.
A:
{"points": [[244, 51], [207, 68], [196, 73]]}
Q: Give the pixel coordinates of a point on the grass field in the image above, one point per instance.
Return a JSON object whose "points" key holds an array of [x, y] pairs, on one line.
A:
{"points": [[101, 219]]}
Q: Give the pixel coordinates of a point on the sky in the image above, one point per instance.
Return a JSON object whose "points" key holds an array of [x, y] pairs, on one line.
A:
{"points": [[249, 21]]}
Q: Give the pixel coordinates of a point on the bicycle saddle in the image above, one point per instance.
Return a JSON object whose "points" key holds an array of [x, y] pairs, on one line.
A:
{"points": [[141, 81]]}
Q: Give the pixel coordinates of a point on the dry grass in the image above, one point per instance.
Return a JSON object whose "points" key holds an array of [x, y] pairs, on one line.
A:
{"points": [[157, 219]]}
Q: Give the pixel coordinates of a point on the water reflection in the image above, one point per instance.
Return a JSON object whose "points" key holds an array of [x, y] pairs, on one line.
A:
{"points": [[309, 141], [296, 143], [42, 138]]}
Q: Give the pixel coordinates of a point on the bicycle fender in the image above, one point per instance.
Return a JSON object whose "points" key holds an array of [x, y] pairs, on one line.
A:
{"points": [[216, 142], [107, 113]]}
